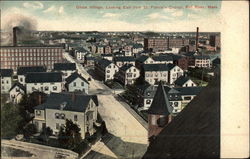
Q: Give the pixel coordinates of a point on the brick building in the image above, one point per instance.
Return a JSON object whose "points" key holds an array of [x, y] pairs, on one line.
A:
{"points": [[155, 44], [14, 56]]}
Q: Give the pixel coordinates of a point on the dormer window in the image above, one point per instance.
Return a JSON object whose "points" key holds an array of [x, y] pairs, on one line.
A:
{"points": [[57, 115], [38, 112], [62, 116]]}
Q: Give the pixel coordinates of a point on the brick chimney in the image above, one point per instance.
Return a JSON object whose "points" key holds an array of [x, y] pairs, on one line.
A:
{"points": [[197, 38], [14, 36]]}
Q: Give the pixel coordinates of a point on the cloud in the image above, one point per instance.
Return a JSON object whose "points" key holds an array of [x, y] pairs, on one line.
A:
{"points": [[61, 10], [33, 5], [50, 9], [178, 13], [193, 16], [111, 15], [157, 16], [169, 10]]}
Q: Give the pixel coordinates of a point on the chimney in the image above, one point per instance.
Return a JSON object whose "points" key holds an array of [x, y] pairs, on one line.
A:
{"points": [[14, 36], [73, 97], [197, 38], [39, 99]]}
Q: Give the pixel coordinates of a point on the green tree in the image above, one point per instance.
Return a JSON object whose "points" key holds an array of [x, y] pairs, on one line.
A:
{"points": [[11, 120], [70, 135], [29, 130]]}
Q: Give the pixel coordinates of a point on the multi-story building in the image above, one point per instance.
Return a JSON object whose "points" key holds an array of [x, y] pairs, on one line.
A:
{"points": [[184, 81], [6, 80], [122, 60], [155, 44], [22, 71], [107, 49], [127, 74], [153, 73], [140, 61], [164, 59], [105, 69], [76, 82], [66, 68], [202, 61], [14, 56], [46, 82], [79, 108], [177, 42], [80, 54], [16, 92]]}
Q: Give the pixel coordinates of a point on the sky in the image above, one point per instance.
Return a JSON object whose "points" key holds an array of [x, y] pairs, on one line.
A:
{"points": [[165, 16]]}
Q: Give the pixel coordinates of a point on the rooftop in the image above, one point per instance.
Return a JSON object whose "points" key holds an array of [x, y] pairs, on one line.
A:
{"points": [[6, 72], [43, 77], [25, 70], [64, 66]]}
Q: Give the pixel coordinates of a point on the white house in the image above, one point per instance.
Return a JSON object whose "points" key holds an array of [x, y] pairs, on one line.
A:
{"points": [[174, 73], [6, 80], [106, 69], [16, 92], [46, 82], [122, 60], [66, 68], [153, 73], [127, 74], [164, 59], [80, 54], [22, 71], [137, 48], [79, 108], [184, 81], [76, 82], [202, 61]]}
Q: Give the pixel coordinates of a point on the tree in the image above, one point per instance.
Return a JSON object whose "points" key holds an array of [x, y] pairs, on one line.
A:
{"points": [[29, 130], [70, 135], [46, 132], [11, 120]]}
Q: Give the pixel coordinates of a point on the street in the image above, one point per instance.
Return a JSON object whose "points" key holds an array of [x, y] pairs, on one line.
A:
{"points": [[127, 137]]}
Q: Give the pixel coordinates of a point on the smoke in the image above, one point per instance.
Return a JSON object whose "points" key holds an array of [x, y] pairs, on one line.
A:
{"points": [[25, 27]]}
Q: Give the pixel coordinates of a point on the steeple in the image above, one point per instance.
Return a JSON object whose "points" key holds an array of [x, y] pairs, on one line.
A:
{"points": [[160, 104]]}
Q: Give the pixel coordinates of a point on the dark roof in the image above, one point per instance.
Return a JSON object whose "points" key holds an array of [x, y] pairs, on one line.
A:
{"points": [[25, 70], [160, 104], [79, 104], [43, 77], [137, 46], [216, 61], [155, 67], [181, 80], [194, 132], [189, 90], [142, 58], [64, 66], [202, 57], [104, 63], [125, 67], [158, 67], [18, 85], [124, 58], [74, 76], [107, 55], [162, 58], [6, 72]]}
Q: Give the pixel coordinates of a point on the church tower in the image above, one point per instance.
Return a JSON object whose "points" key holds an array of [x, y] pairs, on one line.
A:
{"points": [[159, 113]]}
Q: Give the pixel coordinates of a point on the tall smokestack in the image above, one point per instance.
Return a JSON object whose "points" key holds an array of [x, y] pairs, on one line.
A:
{"points": [[197, 38], [14, 36]]}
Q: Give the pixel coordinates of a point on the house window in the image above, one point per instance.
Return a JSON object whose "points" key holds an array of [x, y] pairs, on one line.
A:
{"points": [[82, 83], [57, 115], [46, 88], [148, 101], [148, 94], [7, 81], [187, 98], [54, 88], [153, 120], [134, 70], [75, 117], [21, 79], [108, 76], [74, 84], [62, 116], [38, 112], [108, 71], [17, 90], [171, 103], [176, 104], [57, 126]]}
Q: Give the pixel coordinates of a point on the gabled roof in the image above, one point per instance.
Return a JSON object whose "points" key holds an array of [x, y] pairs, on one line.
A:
{"points": [[124, 58], [162, 58], [104, 63], [160, 104], [216, 61], [181, 80], [74, 76], [18, 85], [6, 72], [126, 67], [25, 70], [155, 67], [189, 90], [72, 102], [64, 66], [43, 77], [142, 58]]}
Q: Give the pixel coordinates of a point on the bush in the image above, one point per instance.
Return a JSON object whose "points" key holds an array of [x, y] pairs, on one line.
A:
{"points": [[29, 130]]}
